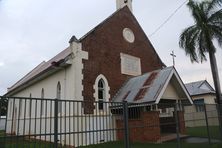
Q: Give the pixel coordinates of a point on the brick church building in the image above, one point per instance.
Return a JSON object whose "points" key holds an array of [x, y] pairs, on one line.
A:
{"points": [[115, 55]]}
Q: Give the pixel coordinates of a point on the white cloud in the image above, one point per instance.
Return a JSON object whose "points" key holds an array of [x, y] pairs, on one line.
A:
{"points": [[2, 64]]}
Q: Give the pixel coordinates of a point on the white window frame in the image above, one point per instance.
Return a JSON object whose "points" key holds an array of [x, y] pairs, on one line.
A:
{"points": [[96, 90]]}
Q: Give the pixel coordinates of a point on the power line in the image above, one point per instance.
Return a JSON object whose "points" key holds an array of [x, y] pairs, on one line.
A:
{"points": [[174, 12]]}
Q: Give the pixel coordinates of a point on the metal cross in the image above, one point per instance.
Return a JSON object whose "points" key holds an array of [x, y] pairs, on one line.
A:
{"points": [[173, 56]]}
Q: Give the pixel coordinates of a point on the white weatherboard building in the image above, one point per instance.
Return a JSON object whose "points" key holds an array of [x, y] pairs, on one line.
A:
{"points": [[103, 65], [202, 94]]}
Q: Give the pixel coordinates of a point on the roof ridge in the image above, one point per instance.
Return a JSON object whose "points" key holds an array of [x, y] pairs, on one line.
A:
{"points": [[201, 83], [35, 68], [39, 68], [195, 82], [85, 35]]}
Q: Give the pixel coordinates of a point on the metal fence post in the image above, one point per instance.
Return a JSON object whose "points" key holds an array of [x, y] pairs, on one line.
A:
{"points": [[56, 124], [177, 125], [126, 124], [206, 119]]}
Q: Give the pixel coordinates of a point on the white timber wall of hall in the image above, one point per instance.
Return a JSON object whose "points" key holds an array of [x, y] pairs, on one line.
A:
{"points": [[64, 76]]}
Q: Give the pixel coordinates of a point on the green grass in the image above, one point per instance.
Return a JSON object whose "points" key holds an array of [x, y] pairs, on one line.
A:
{"points": [[202, 132], [2, 133], [28, 145], [150, 145], [9, 142], [194, 131], [38, 144]]}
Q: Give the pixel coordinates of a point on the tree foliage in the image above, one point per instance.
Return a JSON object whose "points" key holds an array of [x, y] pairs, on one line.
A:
{"points": [[197, 40]]}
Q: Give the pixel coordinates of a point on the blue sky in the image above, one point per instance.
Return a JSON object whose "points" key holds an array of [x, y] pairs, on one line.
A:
{"points": [[33, 31]]}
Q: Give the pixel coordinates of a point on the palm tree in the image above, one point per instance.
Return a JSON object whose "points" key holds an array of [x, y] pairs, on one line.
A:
{"points": [[197, 40]]}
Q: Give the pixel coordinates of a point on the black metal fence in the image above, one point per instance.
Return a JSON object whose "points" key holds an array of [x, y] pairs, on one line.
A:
{"points": [[36, 122]]}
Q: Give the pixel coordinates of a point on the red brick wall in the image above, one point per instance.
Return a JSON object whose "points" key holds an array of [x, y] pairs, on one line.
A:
{"points": [[104, 45], [181, 122], [151, 119], [145, 129]]}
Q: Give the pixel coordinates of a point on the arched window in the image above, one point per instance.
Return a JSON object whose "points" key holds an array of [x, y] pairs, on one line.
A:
{"points": [[42, 93], [20, 107], [42, 101], [58, 96], [101, 93], [58, 93], [29, 105]]}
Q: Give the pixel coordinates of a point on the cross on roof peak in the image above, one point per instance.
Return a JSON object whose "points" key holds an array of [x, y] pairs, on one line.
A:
{"points": [[173, 56]]}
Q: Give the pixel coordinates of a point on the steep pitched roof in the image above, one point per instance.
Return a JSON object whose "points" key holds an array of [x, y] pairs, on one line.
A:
{"points": [[149, 87], [40, 69], [199, 88], [62, 55], [124, 10]]}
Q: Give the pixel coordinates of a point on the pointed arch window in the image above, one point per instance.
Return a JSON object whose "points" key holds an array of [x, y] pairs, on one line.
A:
{"points": [[29, 105], [42, 101], [101, 93], [58, 96], [20, 107]]}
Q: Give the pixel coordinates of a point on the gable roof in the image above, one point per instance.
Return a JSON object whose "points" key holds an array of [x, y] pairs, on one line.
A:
{"points": [[41, 69], [149, 87], [199, 88], [127, 11]]}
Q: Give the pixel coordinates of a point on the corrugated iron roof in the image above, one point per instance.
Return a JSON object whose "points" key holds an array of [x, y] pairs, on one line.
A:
{"points": [[194, 88], [143, 88], [149, 87], [40, 68]]}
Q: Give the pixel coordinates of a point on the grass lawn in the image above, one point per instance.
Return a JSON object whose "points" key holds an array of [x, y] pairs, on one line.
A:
{"points": [[28, 145], [2, 133], [202, 132], [149, 145], [197, 131], [117, 145], [32, 144]]}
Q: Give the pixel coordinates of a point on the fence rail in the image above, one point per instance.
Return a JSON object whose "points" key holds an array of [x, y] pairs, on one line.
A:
{"points": [[37, 122]]}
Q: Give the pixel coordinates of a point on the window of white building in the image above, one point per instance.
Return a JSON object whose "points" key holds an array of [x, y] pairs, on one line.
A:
{"points": [[20, 108], [42, 102], [58, 96], [199, 104], [29, 105]]}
